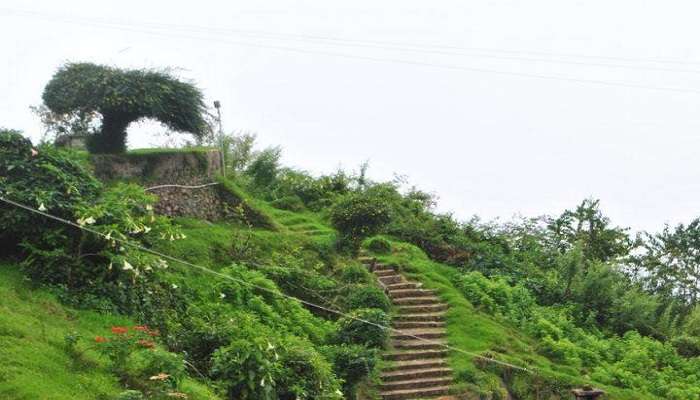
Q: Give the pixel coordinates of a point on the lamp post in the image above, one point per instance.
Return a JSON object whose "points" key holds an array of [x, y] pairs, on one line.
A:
{"points": [[217, 105]]}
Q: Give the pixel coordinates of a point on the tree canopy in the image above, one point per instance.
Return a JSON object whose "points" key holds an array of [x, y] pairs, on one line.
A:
{"points": [[122, 97]]}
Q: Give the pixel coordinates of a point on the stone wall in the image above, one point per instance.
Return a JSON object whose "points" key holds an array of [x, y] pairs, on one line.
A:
{"points": [[185, 168]]}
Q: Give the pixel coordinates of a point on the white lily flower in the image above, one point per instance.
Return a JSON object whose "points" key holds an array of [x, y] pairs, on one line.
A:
{"points": [[90, 220], [174, 286], [42, 207], [222, 295], [127, 266]]}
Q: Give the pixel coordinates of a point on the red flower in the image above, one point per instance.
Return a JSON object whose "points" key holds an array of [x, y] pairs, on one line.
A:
{"points": [[141, 328], [153, 333], [101, 339], [147, 344], [119, 330]]}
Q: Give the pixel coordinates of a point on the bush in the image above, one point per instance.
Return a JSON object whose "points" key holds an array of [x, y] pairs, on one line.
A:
{"points": [[379, 245], [131, 395], [289, 203], [354, 330], [368, 297], [260, 364], [355, 273], [495, 296], [687, 346], [360, 215], [264, 168], [48, 179], [352, 364]]}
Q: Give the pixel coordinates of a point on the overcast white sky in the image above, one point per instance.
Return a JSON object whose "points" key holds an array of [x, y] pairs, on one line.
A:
{"points": [[487, 143]]}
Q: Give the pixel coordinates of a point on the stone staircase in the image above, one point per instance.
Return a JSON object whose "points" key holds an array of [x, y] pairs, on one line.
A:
{"points": [[417, 361]]}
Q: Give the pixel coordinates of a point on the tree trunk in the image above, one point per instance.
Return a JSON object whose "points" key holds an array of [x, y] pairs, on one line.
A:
{"points": [[112, 137]]}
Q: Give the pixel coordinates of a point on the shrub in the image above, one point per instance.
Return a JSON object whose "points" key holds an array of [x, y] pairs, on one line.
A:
{"points": [[379, 245], [131, 395], [495, 296], [687, 346], [354, 273], [289, 203], [360, 215], [368, 297], [261, 365], [264, 168], [354, 329], [352, 364], [45, 178]]}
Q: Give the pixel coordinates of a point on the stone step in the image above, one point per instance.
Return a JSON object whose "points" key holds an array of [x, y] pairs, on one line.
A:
{"points": [[423, 308], [415, 374], [402, 293], [404, 285], [417, 324], [366, 259], [416, 383], [389, 280], [420, 317], [415, 393], [411, 334], [412, 301], [409, 365], [416, 344], [414, 355], [385, 272]]}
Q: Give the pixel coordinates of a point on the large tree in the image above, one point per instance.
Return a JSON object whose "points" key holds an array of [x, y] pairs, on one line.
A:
{"points": [[122, 97]]}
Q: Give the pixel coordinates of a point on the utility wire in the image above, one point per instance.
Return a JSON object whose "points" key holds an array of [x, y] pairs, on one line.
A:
{"points": [[374, 43], [406, 62], [274, 292], [181, 186]]}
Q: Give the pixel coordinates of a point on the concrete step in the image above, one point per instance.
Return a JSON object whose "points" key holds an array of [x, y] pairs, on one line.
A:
{"points": [[415, 393], [412, 301], [409, 365], [416, 383], [411, 334], [430, 344], [423, 308], [404, 285], [420, 317], [402, 293], [414, 355], [417, 324], [389, 280], [415, 374]]}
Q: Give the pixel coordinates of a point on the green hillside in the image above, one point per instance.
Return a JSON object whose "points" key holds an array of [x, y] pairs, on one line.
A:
{"points": [[274, 303]]}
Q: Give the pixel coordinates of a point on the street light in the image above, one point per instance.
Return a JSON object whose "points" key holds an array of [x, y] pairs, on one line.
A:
{"points": [[217, 105]]}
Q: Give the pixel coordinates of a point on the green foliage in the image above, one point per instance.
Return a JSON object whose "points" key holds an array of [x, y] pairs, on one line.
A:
{"points": [[352, 364], [290, 203], [130, 395], [495, 296], [368, 297], [354, 329], [122, 97], [360, 215], [260, 364], [264, 168], [44, 178], [378, 245]]}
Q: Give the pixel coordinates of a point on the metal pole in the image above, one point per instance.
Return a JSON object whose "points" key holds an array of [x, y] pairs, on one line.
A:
{"points": [[217, 105]]}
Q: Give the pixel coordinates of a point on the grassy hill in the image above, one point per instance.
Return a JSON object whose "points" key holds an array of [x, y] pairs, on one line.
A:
{"points": [[240, 324]]}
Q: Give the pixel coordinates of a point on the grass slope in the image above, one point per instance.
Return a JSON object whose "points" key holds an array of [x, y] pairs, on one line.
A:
{"points": [[34, 363]]}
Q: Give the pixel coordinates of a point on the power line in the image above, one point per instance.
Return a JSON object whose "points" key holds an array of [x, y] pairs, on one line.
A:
{"points": [[405, 62], [241, 281], [430, 48]]}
